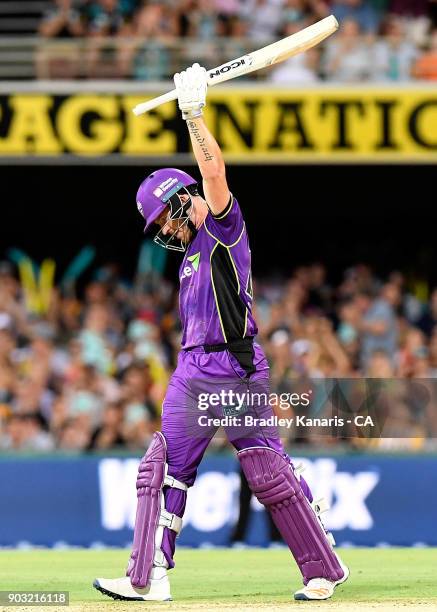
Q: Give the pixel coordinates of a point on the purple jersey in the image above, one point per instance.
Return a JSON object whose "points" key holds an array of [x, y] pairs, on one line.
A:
{"points": [[215, 299]]}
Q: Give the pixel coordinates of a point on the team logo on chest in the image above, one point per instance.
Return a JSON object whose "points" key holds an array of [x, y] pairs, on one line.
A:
{"points": [[188, 270]]}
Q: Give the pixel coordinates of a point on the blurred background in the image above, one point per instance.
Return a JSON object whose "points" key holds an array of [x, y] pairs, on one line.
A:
{"points": [[331, 155]]}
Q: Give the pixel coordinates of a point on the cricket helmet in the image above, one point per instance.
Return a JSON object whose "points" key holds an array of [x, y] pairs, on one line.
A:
{"points": [[160, 190]]}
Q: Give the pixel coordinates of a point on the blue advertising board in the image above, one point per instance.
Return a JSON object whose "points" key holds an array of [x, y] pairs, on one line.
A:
{"points": [[83, 501]]}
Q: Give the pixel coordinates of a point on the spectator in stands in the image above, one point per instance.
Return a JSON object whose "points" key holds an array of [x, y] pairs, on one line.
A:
{"points": [[198, 19], [91, 374], [357, 279], [25, 433], [293, 11], [412, 342], [416, 17], [95, 339], [280, 359], [30, 397], [421, 364], [137, 427], [129, 38], [63, 20], [347, 331], [361, 11], [264, 20], [58, 58], [297, 70], [148, 56], [320, 293], [347, 58], [378, 326], [109, 29], [303, 11], [318, 353], [228, 7], [109, 18], [108, 433], [393, 55], [380, 365], [425, 68], [74, 435]]}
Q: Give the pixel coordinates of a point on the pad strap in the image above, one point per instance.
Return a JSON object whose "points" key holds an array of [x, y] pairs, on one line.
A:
{"points": [[170, 520], [169, 481]]}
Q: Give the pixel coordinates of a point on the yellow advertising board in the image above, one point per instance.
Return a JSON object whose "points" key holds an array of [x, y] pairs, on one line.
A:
{"points": [[253, 124]]}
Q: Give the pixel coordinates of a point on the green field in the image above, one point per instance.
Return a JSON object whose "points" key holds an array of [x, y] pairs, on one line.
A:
{"points": [[244, 580]]}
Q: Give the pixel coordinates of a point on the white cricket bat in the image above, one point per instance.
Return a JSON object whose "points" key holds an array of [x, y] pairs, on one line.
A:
{"points": [[267, 56]]}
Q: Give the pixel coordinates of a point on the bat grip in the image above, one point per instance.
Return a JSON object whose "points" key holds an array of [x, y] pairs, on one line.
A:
{"points": [[154, 102]]}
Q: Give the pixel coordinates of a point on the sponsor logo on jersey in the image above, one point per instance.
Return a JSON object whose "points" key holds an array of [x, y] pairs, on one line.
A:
{"points": [[188, 271]]}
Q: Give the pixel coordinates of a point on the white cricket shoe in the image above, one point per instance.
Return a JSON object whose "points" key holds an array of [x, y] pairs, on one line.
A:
{"points": [[121, 588], [320, 588]]}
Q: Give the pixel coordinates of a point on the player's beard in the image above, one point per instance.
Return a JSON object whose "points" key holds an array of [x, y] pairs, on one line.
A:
{"points": [[188, 233]]}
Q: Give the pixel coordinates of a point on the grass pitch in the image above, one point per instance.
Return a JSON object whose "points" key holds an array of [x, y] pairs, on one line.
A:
{"points": [[244, 580]]}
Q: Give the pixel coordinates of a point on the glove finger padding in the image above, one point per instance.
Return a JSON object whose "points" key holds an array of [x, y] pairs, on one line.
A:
{"points": [[191, 86], [200, 79]]}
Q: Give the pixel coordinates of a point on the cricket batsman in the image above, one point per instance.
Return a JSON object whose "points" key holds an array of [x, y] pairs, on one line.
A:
{"points": [[218, 344]]}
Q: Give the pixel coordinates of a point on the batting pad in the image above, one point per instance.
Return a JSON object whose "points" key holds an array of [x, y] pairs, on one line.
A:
{"points": [[152, 517], [272, 479]]}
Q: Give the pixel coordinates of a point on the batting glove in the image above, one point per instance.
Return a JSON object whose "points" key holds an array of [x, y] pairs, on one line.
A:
{"points": [[191, 85]]}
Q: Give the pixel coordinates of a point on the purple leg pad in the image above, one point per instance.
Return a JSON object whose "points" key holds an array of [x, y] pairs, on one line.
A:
{"points": [[272, 479], [150, 481]]}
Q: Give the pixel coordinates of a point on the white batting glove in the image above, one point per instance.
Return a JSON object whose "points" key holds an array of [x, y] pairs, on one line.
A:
{"points": [[191, 85]]}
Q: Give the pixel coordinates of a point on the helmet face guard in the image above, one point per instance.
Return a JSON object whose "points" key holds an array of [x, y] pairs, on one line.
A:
{"points": [[178, 212]]}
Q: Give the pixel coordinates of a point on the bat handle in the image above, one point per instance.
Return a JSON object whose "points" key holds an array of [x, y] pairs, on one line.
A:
{"points": [[154, 102]]}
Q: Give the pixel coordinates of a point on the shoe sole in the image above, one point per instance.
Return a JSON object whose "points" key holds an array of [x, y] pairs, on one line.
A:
{"points": [[303, 597], [117, 597]]}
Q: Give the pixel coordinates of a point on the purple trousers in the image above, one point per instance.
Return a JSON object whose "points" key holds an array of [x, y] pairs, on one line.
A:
{"points": [[186, 441]]}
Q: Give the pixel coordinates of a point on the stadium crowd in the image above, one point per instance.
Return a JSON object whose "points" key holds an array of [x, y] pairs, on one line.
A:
{"points": [[379, 40], [90, 373]]}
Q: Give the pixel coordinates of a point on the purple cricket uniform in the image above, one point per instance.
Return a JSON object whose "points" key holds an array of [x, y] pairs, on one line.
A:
{"points": [[219, 361], [215, 309], [216, 282]]}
